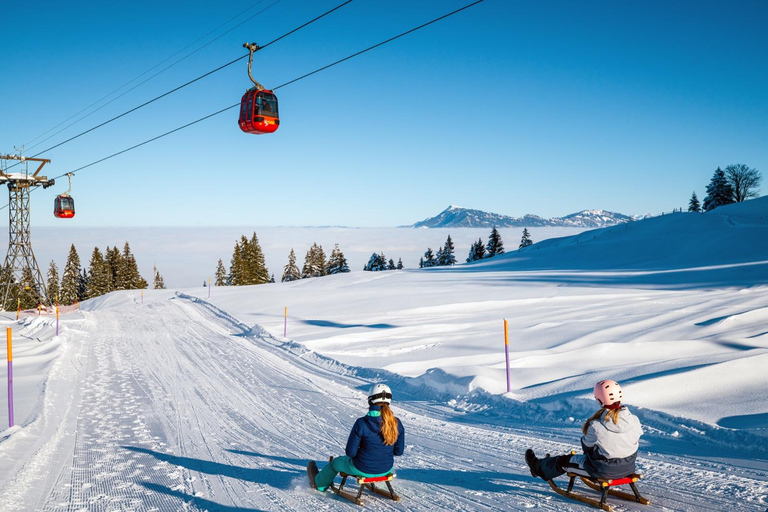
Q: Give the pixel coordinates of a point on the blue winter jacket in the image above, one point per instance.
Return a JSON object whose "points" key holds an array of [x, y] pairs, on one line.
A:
{"points": [[366, 446]]}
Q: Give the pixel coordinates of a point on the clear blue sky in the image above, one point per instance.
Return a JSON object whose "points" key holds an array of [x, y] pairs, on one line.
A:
{"points": [[510, 107]]}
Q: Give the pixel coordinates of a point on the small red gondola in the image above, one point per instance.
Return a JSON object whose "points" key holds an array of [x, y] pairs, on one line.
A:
{"points": [[64, 207], [258, 107], [258, 112]]}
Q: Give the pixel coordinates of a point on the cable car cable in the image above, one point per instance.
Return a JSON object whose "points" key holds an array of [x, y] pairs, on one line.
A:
{"points": [[153, 76], [283, 85], [186, 84]]}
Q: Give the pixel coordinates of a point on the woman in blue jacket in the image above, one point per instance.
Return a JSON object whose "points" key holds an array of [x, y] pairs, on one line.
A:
{"points": [[375, 440]]}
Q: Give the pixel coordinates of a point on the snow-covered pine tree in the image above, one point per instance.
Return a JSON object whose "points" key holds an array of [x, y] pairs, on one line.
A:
{"points": [[694, 205], [376, 263], [53, 283], [99, 277], [719, 191], [6, 276], [272, 278], [70, 279], [439, 257], [337, 263], [399, 264], [449, 257], [429, 258], [319, 264], [113, 265], [83, 282], [157, 282], [421, 262], [525, 241], [495, 245], [391, 265], [291, 271], [220, 275], [471, 256]]}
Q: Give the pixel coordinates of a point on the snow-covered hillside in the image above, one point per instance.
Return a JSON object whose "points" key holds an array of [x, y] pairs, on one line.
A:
{"points": [[180, 402]]}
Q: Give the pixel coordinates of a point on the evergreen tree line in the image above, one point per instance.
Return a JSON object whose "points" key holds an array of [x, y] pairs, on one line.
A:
{"points": [[479, 250], [735, 184], [107, 272], [248, 267], [445, 255]]}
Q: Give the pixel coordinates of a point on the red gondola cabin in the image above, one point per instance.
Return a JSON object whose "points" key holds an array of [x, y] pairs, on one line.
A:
{"points": [[64, 207], [258, 112]]}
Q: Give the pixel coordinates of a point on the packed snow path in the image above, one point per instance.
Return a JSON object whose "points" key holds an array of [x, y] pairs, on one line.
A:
{"points": [[176, 405]]}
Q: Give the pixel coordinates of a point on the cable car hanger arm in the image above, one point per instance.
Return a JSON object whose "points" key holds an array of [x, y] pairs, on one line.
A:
{"points": [[253, 47]]}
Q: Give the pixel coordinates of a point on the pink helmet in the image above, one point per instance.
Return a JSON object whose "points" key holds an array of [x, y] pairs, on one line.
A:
{"points": [[608, 392]]}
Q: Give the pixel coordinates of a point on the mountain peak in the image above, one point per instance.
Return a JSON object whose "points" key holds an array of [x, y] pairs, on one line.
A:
{"points": [[456, 216]]}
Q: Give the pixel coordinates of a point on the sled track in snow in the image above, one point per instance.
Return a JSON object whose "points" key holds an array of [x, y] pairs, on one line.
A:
{"points": [[183, 407]]}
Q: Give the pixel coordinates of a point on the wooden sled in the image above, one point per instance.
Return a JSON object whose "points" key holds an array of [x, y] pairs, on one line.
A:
{"points": [[366, 483], [603, 486]]}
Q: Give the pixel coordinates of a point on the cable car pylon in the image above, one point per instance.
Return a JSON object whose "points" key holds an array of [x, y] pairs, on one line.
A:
{"points": [[20, 277]]}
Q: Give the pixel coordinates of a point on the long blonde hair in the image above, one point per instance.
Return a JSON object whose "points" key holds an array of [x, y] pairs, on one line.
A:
{"points": [[611, 414], [388, 425]]}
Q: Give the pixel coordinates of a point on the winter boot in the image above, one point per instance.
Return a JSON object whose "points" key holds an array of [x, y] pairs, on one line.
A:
{"points": [[533, 463], [312, 473]]}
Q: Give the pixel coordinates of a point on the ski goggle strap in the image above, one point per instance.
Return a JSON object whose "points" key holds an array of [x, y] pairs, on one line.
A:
{"points": [[383, 394]]}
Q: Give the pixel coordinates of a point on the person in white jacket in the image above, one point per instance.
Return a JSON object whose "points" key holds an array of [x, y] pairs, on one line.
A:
{"points": [[609, 442]]}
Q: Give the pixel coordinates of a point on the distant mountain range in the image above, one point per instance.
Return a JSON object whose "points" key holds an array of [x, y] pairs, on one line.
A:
{"points": [[457, 217]]}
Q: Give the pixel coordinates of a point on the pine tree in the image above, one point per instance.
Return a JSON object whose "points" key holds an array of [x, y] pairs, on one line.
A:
{"points": [[314, 262], [132, 277], [449, 257], [29, 294], [83, 282], [376, 263], [525, 241], [495, 245], [319, 262], [221, 274], [337, 263], [6, 276], [439, 257], [429, 259], [70, 280], [472, 256], [400, 264], [479, 249], [421, 262], [258, 273], [291, 271], [115, 269], [719, 191], [53, 283], [694, 205], [391, 264], [236, 277], [157, 282], [99, 278]]}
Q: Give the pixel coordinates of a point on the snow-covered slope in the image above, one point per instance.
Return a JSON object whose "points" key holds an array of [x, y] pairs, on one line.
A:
{"points": [[458, 217], [179, 402]]}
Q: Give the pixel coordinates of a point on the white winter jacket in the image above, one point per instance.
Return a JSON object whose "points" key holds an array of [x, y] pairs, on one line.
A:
{"points": [[614, 440]]}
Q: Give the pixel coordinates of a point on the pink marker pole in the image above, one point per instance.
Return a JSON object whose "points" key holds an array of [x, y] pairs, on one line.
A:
{"points": [[10, 378], [209, 287], [285, 324], [506, 351]]}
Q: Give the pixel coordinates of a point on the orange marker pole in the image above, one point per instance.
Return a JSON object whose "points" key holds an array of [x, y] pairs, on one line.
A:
{"points": [[18, 308], [57, 318], [10, 378], [506, 351]]}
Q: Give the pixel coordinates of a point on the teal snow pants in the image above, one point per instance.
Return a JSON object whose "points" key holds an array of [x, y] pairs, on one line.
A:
{"points": [[338, 465]]}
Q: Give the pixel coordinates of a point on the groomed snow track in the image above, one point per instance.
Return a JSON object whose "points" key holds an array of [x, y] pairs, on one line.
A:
{"points": [[175, 405]]}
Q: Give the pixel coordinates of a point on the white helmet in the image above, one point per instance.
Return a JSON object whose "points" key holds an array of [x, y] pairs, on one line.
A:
{"points": [[380, 394]]}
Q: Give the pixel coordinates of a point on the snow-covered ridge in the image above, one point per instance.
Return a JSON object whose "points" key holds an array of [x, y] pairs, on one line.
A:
{"points": [[458, 217]]}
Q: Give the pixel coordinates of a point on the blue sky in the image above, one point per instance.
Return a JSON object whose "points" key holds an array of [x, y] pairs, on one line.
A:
{"points": [[511, 107]]}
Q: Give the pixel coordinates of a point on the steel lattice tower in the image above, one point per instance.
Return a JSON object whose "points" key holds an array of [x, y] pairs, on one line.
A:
{"points": [[20, 274]]}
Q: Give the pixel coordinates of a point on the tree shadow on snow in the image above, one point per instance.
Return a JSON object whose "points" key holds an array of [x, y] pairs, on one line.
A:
{"points": [[198, 502], [336, 325], [279, 477]]}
